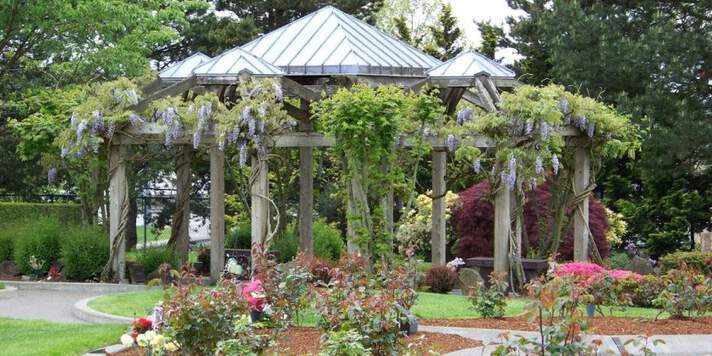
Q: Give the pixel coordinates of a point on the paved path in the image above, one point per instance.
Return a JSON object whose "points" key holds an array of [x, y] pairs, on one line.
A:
{"points": [[43, 305], [677, 345]]}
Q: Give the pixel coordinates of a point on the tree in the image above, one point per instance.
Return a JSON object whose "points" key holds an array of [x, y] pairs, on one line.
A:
{"points": [[492, 38], [651, 59], [409, 20], [447, 37]]}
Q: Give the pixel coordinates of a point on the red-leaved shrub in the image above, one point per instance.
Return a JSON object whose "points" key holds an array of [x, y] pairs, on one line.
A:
{"points": [[440, 279], [474, 223]]}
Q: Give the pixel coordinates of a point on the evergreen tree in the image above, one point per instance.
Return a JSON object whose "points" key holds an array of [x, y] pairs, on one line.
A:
{"points": [[447, 36]]}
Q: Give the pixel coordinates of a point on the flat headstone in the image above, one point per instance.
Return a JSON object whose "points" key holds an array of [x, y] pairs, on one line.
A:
{"points": [[9, 268], [136, 273], [640, 265], [469, 278]]}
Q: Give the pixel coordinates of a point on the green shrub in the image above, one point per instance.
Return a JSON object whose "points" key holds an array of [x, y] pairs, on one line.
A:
{"points": [[286, 245], [151, 258], [647, 290], [618, 260], [85, 251], [696, 260], [328, 243], [7, 246], [441, 279], [18, 211], [490, 302], [239, 237], [41, 239], [687, 293]]}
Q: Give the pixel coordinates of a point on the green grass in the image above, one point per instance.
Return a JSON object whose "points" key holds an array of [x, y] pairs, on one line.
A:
{"points": [[132, 304], [428, 306], [164, 234], [2, 285], [34, 337]]}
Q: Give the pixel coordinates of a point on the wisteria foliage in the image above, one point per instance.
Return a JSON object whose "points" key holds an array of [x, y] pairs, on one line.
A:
{"points": [[536, 117]]}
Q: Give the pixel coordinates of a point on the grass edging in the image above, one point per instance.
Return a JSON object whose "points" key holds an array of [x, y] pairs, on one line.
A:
{"points": [[82, 311]]}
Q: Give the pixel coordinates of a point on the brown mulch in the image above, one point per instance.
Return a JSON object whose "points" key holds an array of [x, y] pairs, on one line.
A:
{"points": [[599, 325], [305, 341], [301, 341]]}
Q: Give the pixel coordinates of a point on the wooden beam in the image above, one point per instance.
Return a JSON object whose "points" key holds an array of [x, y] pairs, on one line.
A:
{"points": [[582, 177], [438, 235], [295, 112], [118, 196], [306, 188], [217, 212], [484, 96], [174, 89], [491, 89], [298, 90], [468, 82], [259, 204], [502, 229], [472, 98]]}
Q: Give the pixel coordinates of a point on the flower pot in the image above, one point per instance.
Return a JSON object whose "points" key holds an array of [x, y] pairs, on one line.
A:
{"points": [[590, 310]]}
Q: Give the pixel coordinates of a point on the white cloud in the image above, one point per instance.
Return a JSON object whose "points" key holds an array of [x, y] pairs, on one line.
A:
{"points": [[495, 11]]}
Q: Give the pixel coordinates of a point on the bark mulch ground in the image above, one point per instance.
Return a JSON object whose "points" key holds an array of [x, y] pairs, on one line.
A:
{"points": [[599, 325], [305, 341]]}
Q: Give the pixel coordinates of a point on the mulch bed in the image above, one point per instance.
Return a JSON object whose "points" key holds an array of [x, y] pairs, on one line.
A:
{"points": [[599, 325], [305, 341]]}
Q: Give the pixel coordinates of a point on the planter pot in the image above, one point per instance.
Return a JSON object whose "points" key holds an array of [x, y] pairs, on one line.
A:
{"points": [[590, 310], [256, 316], [533, 268], [410, 325]]}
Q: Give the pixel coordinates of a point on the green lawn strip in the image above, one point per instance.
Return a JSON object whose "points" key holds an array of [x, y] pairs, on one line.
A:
{"points": [[131, 304], [428, 306], [36, 337], [150, 235]]}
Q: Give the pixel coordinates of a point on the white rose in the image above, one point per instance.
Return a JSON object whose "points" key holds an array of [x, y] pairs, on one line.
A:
{"points": [[141, 340], [127, 340]]}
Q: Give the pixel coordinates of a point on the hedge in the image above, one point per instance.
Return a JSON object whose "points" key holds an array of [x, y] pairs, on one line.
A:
{"points": [[69, 213], [701, 261]]}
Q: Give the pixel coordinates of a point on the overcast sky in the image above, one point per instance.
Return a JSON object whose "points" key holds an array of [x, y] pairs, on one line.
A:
{"points": [[496, 11]]}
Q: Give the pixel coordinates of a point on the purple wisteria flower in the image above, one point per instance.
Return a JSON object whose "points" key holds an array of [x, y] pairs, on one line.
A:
{"points": [[255, 91], [532, 183], [97, 124], [262, 111], [631, 248], [73, 121], [196, 139], [260, 127], [451, 143], [136, 120], [110, 130], [477, 166], [544, 130], [528, 128], [243, 154], [538, 165], [221, 145], [278, 94], [63, 152], [564, 106], [464, 115], [203, 113], [399, 141], [233, 135], [555, 163], [81, 127], [116, 95], [133, 98], [581, 122], [51, 175], [591, 129]]}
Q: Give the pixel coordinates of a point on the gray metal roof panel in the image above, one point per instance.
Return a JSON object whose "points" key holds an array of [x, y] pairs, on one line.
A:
{"points": [[330, 41], [469, 64], [184, 68], [234, 62]]}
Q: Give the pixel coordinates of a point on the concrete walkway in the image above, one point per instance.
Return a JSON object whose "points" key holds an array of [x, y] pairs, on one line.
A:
{"points": [[678, 345], [43, 305]]}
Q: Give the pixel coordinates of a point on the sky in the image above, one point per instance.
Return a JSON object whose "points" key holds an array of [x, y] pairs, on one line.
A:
{"points": [[495, 11]]}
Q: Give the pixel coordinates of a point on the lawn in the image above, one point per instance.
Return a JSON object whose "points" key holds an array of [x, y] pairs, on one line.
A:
{"points": [[428, 306], [164, 234], [34, 337]]}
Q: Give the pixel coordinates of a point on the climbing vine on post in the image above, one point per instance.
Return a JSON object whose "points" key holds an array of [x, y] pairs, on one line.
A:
{"points": [[530, 148], [368, 126], [245, 124]]}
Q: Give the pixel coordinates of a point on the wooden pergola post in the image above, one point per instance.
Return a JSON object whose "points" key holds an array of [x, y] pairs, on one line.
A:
{"points": [[582, 177], [438, 238], [217, 212], [502, 229], [180, 227], [306, 190], [118, 201], [260, 204]]}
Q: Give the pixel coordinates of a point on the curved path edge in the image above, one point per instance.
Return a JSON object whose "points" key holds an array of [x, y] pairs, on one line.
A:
{"points": [[8, 292], [98, 288], [82, 311], [678, 345]]}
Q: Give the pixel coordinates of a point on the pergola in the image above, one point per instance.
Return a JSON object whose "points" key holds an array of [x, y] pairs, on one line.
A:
{"points": [[320, 53]]}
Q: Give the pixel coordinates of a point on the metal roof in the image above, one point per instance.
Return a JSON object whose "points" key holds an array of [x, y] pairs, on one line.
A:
{"points": [[234, 62], [184, 68], [469, 64], [329, 41]]}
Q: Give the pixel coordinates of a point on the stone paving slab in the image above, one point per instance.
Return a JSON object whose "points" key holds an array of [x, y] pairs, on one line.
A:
{"points": [[43, 305], [675, 345]]}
